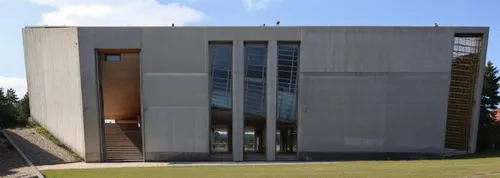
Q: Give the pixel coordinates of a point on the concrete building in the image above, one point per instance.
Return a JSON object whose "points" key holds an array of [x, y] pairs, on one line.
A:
{"points": [[257, 93]]}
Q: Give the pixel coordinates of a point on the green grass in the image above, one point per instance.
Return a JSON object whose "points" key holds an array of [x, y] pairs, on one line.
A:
{"points": [[480, 167]]}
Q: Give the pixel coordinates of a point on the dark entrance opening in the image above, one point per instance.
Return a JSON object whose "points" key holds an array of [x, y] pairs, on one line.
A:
{"points": [[119, 81]]}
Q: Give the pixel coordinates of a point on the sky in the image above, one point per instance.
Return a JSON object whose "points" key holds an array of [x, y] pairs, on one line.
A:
{"points": [[16, 14]]}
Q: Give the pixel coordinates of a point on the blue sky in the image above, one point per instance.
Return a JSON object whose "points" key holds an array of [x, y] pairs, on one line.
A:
{"points": [[15, 14]]}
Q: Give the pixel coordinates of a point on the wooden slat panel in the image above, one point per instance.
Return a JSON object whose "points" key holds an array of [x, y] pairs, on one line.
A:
{"points": [[461, 99], [120, 87]]}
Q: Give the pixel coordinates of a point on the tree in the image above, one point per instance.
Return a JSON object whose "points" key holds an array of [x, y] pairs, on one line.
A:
{"points": [[23, 110], [11, 96], [3, 99], [8, 113], [13, 112], [489, 101]]}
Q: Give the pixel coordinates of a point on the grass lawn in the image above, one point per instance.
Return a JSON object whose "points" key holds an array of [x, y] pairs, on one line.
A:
{"points": [[471, 167]]}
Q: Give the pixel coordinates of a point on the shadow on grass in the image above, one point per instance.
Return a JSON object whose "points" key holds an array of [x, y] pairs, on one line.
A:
{"points": [[488, 154]]}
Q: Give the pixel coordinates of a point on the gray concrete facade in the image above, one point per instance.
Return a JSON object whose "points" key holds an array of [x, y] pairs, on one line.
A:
{"points": [[361, 89], [53, 76], [400, 77]]}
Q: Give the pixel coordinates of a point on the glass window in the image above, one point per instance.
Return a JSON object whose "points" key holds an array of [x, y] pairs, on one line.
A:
{"points": [[255, 55], [288, 56], [220, 55], [112, 57]]}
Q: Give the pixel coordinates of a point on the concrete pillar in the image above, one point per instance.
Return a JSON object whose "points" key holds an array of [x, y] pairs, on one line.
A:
{"points": [[474, 124], [271, 90], [238, 100]]}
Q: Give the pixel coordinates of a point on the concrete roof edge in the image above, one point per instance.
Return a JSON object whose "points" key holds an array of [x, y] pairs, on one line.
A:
{"points": [[50, 27], [282, 26]]}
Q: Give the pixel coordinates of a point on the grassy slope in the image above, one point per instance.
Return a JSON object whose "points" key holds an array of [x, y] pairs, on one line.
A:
{"points": [[45, 133], [489, 167]]}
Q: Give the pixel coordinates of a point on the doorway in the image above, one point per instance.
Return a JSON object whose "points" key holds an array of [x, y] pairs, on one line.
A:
{"points": [[119, 79]]}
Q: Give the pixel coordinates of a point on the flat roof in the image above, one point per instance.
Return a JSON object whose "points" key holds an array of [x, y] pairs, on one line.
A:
{"points": [[247, 26]]}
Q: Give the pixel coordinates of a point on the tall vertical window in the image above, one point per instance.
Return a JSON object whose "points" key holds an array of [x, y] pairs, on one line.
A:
{"points": [[220, 56], [255, 78], [288, 56], [466, 56]]}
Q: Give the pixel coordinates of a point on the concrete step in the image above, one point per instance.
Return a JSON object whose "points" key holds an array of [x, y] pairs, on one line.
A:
{"points": [[122, 148], [119, 146], [124, 156]]}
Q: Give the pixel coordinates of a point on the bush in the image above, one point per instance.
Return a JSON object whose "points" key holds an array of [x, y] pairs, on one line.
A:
{"points": [[13, 112], [8, 113], [23, 110]]}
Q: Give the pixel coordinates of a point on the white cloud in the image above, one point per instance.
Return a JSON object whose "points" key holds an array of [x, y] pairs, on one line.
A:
{"points": [[57, 3], [189, 1], [117, 13], [252, 5], [18, 84]]}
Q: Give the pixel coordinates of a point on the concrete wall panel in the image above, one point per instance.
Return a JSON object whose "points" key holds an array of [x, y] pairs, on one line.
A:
{"points": [[117, 37], [175, 93], [252, 33], [416, 112], [390, 115], [347, 115], [174, 50], [365, 49], [373, 89], [34, 73], [177, 129], [176, 90], [56, 98], [90, 95]]}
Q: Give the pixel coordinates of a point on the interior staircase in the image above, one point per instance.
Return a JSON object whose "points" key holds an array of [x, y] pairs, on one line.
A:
{"points": [[123, 143]]}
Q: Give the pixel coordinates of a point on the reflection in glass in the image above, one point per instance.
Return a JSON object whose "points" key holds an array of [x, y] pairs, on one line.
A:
{"points": [[286, 131], [255, 78], [288, 54], [221, 55], [464, 46]]}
